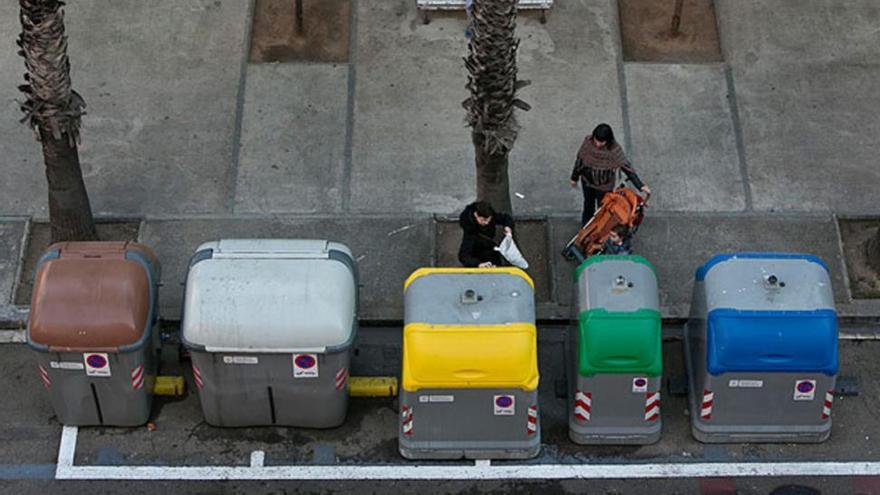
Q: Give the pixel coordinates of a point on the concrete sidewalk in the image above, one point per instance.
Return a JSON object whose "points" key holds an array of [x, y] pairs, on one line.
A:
{"points": [[187, 135]]}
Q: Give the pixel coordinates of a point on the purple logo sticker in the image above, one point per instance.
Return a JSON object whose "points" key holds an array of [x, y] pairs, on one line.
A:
{"points": [[504, 401], [640, 382], [305, 361], [96, 361]]}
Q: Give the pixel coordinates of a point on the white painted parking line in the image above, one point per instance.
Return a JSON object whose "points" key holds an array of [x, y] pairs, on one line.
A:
{"points": [[480, 470], [67, 447]]}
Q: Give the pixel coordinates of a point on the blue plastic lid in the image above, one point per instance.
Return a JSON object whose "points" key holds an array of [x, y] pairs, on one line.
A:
{"points": [[720, 258], [794, 341]]}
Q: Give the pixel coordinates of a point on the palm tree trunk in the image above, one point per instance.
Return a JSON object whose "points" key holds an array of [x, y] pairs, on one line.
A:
{"points": [[69, 210], [491, 66], [873, 250], [493, 182], [53, 110]]}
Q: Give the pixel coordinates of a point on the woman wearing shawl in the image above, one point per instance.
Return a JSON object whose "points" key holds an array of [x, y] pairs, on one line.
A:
{"points": [[598, 161]]}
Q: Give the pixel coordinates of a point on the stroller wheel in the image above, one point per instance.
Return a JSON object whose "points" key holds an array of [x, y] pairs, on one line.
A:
{"points": [[567, 254]]}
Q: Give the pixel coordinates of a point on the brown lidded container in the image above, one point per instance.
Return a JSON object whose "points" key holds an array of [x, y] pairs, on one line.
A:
{"points": [[93, 324]]}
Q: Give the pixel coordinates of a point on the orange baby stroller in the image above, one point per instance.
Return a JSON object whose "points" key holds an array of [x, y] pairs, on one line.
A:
{"points": [[623, 206]]}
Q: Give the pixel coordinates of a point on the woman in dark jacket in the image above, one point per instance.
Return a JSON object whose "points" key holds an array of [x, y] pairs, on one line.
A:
{"points": [[598, 161], [478, 222]]}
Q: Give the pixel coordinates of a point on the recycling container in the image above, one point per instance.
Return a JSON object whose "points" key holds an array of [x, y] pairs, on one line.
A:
{"points": [[93, 325], [615, 357], [269, 324], [761, 349], [470, 365]]}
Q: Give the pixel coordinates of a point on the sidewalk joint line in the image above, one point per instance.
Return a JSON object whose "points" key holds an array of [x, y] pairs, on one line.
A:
{"points": [[738, 137], [345, 190], [232, 171]]}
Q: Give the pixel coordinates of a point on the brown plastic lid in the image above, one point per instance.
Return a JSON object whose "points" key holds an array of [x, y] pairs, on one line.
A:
{"points": [[90, 297]]}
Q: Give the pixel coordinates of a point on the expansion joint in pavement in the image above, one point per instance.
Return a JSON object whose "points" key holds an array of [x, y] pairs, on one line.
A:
{"points": [[232, 172], [345, 190], [738, 136]]}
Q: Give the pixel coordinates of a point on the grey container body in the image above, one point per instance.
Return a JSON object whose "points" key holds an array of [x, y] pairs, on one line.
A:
{"points": [[755, 406], [246, 389], [121, 399], [466, 426], [616, 414], [125, 397]]}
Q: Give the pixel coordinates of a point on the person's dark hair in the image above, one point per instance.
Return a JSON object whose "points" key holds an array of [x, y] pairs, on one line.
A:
{"points": [[484, 209], [621, 230], [603, 132]]}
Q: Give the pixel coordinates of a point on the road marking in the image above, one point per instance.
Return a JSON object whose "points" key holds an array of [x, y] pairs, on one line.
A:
{"points": [[480, 470]]}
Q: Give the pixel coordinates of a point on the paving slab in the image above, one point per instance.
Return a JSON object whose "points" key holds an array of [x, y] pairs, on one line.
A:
{"points": [[808, 86], [677, 244], [387, 250], [161, 83], [23, 188], [292, 155], [684, 145], [410, 140], [11, 239], [572, 61]]}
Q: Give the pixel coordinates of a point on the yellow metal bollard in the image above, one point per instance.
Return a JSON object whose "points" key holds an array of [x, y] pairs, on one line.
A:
{"points": [[169, 385], [372, 386]]}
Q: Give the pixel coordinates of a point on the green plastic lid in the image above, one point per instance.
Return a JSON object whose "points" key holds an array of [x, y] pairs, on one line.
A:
{"points": [[599, 258], [615, 342]]}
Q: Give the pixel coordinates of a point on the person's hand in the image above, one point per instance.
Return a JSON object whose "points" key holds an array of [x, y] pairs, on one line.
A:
{"points": [[486, 264], [573, 183], [646, 190], [508, 231]]}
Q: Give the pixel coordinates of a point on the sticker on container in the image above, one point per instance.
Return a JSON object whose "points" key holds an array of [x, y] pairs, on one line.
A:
{"points": [[66, 365], [97, 364], [241, 359], [640, 384], [305, 366], [804, 389], [436, 398], [505, 405], [745, 383]]}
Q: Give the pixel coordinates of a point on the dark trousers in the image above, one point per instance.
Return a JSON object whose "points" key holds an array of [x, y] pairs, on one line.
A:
{"points": [[592, 199]]}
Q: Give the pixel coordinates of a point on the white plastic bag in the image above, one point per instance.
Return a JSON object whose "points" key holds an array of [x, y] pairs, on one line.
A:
{"points": [[511, 253]]}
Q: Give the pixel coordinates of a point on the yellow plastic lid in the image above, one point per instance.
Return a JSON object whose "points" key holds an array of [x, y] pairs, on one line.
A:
{"points": [[458, 356], [507, 270]]}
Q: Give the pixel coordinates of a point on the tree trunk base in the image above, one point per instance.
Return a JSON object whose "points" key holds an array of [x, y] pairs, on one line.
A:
{"points": [[70, 213], [873, 251], [493, 181]]}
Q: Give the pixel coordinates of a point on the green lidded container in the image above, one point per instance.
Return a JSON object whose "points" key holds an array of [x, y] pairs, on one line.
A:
{"points": [[616, 353]]}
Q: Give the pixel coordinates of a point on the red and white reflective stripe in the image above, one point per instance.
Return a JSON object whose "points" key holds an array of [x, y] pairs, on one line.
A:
{"points": [[826, 409], [137, 377], [341, 378], [583, 404], [406, 420], [197, 375], [44, 375], [652, 406], [532, 420], [706, 407]]}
